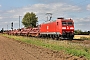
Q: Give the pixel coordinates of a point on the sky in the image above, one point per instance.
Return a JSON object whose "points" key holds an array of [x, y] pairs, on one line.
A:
{"points": [[78, 10]]}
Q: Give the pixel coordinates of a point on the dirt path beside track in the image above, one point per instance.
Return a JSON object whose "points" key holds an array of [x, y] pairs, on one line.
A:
{"points": [[14, 50]]}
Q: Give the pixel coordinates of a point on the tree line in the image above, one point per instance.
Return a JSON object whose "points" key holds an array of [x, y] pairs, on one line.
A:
{"points": [[80, 32]]}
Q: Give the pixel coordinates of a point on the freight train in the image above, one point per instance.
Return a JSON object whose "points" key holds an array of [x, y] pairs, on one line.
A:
{"points": [[58, 29]]}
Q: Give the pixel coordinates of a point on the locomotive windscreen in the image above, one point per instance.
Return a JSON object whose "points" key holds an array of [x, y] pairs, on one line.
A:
{"points": [[70, 23], [67, 23], [64, 23]]}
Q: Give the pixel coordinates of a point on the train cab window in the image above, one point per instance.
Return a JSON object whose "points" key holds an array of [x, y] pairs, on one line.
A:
{"points": [[70, 23], [64, 23], [57, 23], [39, 25]]}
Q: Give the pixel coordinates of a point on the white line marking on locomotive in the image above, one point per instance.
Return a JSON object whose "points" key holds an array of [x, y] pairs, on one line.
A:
{"points": [[47, 27], [63, 27], [67, 27]]}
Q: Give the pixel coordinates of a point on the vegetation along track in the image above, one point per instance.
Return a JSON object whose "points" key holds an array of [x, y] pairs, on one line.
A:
{"points": [[36, 49]]}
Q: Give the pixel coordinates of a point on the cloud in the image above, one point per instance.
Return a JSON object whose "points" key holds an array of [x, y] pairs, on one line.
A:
{"points": [[57, 9], [85, 19], [53, 7], [0, 5], [11, 11], [1, 18], [88, 7], [82, 23]]}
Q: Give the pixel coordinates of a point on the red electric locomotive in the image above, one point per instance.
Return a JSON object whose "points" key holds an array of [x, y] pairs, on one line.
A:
{"points": [[61, 28]]}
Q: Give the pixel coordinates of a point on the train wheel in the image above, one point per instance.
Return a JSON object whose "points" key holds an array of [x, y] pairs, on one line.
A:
{"points": [[57, 38], [53, 37], [70, 38]]}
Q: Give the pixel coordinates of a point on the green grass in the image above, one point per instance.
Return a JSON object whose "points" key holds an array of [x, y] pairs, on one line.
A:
{"points": [[71, 48]]}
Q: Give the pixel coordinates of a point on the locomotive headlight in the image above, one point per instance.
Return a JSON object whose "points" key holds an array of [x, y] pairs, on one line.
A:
{"points": [[63, 27], [71, 28]]}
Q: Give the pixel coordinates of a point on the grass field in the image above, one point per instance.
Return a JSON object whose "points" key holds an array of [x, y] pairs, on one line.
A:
{"points": [[76, 49]]}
